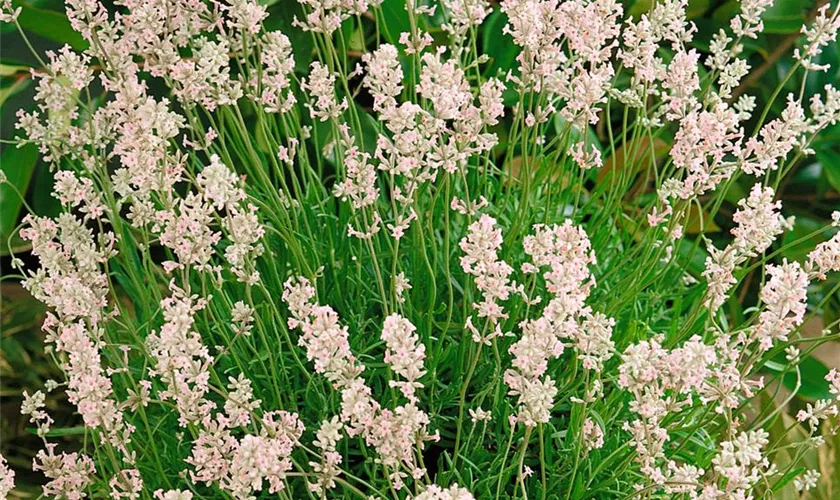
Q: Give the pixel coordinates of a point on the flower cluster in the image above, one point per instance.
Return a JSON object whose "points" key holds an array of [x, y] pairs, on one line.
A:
{"points": [[825, 258], [241, 466], [759, 223], [785, 297], [566, 252], [392, 433], [492, 275], [662, 381]]}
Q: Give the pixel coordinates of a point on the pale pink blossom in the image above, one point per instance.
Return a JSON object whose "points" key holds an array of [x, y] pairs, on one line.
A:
{"points": [[813, 413], [173, 495], [9, 13], [759, 223], [384, 77], [807, 481], [182, 360], [7, 478], [279, 65], [219, 184], [785, 298], [32, 405], [586, 160], [682, 81], [825, 257], [327, 470], [454, 492], [320, 85], [126, 484], [592, 434], [404, 353], [69, 474], [464, 15], [480, 259], [444, 85], [742, 462], [821, 32]]}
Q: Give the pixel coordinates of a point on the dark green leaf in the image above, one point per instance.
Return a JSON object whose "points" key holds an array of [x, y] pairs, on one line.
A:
{"points": [[697, 8], [43, 202], [396, 20], [50, 24], [830, 161], [497, 45], [18, 165], [13, 88], [784, 16], [784, 480], [812, 384]]}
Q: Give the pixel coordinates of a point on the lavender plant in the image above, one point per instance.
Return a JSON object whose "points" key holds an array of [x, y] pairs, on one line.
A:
{"points": [[398, 273]]}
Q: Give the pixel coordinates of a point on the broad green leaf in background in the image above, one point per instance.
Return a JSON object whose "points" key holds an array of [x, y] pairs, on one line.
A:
{"points": [[831, 135], [737, 191], [43, 202], [725, 12], [10, 27], [830, 161], [697, 8], [497, 45], [785, 17], [808, 175], [15, 86], [817, 80], [18, 165], [396, 20], [353, 37], [370, 130], [813, 385], [691, 255], [7, 69], [50, 24], [639, 7], [694, 9], [561, 125]]}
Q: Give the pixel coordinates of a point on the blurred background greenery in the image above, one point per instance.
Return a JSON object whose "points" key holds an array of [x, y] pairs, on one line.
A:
{"points": [[810, 193]]}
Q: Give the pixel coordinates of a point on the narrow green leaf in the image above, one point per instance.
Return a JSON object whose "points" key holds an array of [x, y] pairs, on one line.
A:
{"points": [[66, 431], [784, 480], [11, 69]]}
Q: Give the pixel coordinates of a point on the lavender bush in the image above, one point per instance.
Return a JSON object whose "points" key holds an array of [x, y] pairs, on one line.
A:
{"points": [[400, 272]]}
